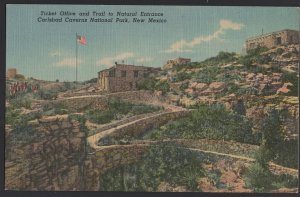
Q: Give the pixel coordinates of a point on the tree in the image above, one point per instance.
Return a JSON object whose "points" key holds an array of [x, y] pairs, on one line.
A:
{"points": [[272, 134], [162, 86], [239, 107]]}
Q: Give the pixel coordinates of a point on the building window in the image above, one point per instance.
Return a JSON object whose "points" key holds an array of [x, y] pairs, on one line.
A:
{"points": [[123, 73], [252, 45], [136, 73], [112, 73]]}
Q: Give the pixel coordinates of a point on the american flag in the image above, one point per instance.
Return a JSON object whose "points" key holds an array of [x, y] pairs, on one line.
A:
{"points": [[81, 39]]}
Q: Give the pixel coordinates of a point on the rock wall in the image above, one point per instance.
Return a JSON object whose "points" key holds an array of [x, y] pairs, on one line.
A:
{"points": [[139, 127], [107, 158], [52, 160], [79, 103]]}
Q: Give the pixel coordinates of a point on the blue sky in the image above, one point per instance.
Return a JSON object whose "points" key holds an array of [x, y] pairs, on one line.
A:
{"points": [[47, 50]]}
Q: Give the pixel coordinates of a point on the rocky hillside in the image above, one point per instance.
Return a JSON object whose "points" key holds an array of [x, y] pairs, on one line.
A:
{"points": [[260, 80]]}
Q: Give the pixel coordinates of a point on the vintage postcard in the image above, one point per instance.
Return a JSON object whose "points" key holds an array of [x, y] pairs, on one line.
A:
{"points": [[152, 98]]}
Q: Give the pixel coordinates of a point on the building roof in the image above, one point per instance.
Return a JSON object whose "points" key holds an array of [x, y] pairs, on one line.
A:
{"points": [[267, 34], [115, 66]]}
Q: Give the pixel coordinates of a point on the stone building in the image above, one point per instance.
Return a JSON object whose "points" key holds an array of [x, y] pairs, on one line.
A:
{"points": [[274, 39], [123, 77], [11, 73], [177, 61]]}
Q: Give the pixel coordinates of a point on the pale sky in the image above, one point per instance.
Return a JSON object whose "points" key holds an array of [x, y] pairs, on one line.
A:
{"points": [[47, 50]]}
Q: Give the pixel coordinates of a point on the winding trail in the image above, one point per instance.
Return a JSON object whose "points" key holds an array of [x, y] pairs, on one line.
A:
{"points": [[170, 110]]}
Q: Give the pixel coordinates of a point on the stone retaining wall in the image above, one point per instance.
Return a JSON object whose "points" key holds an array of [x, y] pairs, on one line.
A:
{"points": [[137, 128], [79, 103], [51, 161]]}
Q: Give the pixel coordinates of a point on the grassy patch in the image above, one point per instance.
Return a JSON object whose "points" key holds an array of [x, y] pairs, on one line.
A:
{"points": [[210, 122], [118, 109]]}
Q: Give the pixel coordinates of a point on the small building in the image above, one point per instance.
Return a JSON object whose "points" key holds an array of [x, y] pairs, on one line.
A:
{"points": [[123, 77], [11, 73], [177, 61], [274, 39]]}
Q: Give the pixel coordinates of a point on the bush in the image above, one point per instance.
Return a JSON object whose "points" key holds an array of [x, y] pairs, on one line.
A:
{"points": [[239, 107], [258, 178], [294, 79], [147, 84], [17, 120], [21, 134], [253, 55], [117, 109], [19, 102], [100, 117], [47, 94], [208, 74], [288, 154], [184, 86], [81, 119], [274, 145], [279, 51], [221, 58], [182, 76], [165, 162], [211, 122], [162, 86]]}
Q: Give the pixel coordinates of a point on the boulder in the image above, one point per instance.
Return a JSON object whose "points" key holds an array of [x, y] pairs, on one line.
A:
{"points": [[189, 91], [217, 85], [201, 86]]}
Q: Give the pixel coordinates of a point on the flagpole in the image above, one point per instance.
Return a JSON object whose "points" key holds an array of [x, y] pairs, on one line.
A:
{"points": [[76, 55]]}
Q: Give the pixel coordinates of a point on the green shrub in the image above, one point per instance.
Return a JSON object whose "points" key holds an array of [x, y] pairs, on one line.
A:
{"points": [[100, 117], [16, 119], [47, 94], [211, 122], [285, 180], [258, 178], [184, 86], [117, 109], [165, 162], [279, 51], [147, 84], [288, 154], [294, 79], [21, 135], [162, 86], [221, 58], [274, 145], [207, 74], [81, 119], [19, 102], [181, 76], [239, 107], [252, 56]]}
